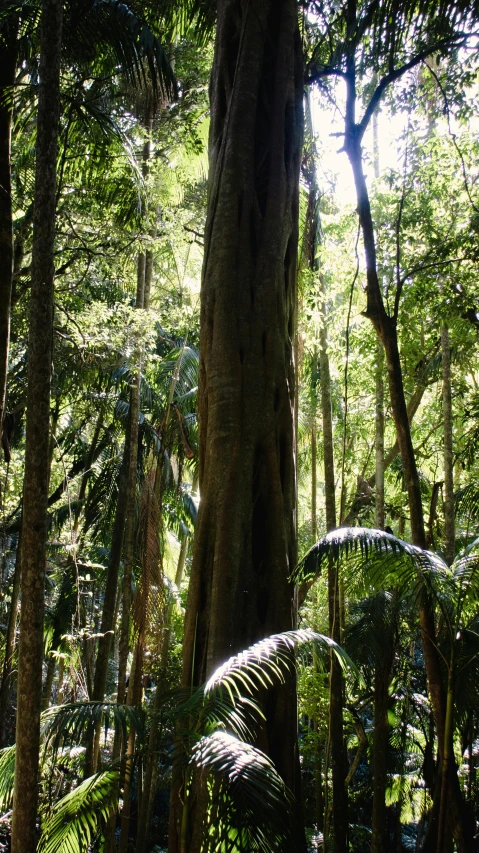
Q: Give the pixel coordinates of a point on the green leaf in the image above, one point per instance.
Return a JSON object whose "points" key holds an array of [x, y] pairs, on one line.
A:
{"points": [[268, 662], [251, 804], [67, 723], [76, 818], [375, 558], [7, 773]]}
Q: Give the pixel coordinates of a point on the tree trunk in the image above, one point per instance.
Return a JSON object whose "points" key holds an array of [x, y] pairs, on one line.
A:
{"points": [[379, 435], [385, 326], [10, 644], [109, 606], [245, 542], [151, 772], [318, 777], [47, 687], [382, 677], [130, 515], [314, 479], [8, 60], [338, 756], [379, 439], [122, 539], [86, 473], [134, 698], [35, 496], [449, 521]]}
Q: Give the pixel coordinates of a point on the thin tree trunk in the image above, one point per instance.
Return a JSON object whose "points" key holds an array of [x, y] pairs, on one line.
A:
{"points": [[61, 672], [134, 698], [379, 436], [151, 773], [447, 759], [245, 534], [35, 497], [449, 521], [379, 439], [129, 544], [10, 643], [318, 778], [314, 479], [47, 687], [338, 756], [122, 539], [8, 60], [109, 606], [385, 326], [382, 677], [86, 473], [412, 406]]}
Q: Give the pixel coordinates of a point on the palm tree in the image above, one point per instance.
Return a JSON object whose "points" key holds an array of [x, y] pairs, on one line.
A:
{"points": [[379, 559], [250, 808]]}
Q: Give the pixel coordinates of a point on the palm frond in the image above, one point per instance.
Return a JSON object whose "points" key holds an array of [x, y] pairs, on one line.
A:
{"points": [[76, 818], [465, 576], [113, 24], [466, 501], [7, 772], [251, 804], [268, 662], [63, 724], [382, 559], [193, 17]]}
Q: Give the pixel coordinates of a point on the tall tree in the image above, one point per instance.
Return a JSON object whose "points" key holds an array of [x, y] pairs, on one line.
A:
{"points": [[37, 457], [411, 40], [8, 60], [245, 543]]}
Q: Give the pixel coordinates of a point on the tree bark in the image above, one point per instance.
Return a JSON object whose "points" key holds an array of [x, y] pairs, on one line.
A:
{"points": [[336, 734], [449, 521], [8, 60], [245, 543], [10, 644], [314, 479], [382, 677], [379, 438], [35, 497]]}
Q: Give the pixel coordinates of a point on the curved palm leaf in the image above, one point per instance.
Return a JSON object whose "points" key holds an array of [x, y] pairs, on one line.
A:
{"points": [[7, 773], [268, 662], [76, 818], [466, 502], [465, 576], [251, 804], [67, 723], [380, 558]]}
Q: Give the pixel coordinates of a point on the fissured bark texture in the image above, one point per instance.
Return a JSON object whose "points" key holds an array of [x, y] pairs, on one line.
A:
{"points": [[245, 542]]}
